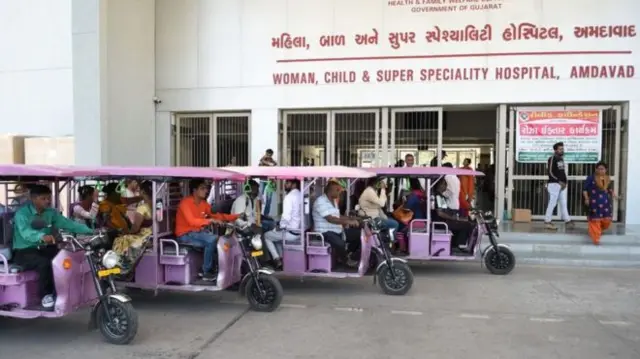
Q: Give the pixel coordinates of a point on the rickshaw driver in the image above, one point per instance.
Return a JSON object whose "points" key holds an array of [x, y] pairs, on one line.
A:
{"points": [[440, 212], [33, 249], [194, 213], [246, 204], [328, 221]]}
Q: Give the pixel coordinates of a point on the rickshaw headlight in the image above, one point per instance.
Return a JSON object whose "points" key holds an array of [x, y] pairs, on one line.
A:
{"points": [[110, 259], [256, 243]]}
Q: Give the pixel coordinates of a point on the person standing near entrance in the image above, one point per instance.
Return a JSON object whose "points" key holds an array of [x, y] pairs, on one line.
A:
{"points": [[452, 193], [598, 195], [557, 187], [467, 189], [434, 160], [401, 185]]}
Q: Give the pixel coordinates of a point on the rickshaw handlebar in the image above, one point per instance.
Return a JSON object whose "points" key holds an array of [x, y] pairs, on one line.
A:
{"points": [[64, 237]]}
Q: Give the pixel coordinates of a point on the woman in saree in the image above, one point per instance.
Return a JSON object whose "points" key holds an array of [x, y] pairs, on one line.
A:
{"points": [[598, 198], [131, 236]]}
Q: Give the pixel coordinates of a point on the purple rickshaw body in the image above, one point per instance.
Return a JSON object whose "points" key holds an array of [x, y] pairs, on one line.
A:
{"points": [[18, 289], [309, 254], [428, 240], [171, 265]]}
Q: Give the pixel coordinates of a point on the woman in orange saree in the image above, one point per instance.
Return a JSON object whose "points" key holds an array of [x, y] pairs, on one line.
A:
{"points": [[598, 199], [467, 189]]}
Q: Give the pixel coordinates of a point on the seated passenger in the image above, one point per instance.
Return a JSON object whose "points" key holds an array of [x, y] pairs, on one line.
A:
{"points": [[461, 229], [132, 244], [34, 249], [246, 204], [86, 210], [328, 221], [131, 190], [289, 226], [194, 213], [416, 201], [21, 190], [373, 201]]}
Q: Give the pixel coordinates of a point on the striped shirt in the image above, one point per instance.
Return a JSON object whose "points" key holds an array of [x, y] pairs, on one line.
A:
{"points": [[323, 207]]}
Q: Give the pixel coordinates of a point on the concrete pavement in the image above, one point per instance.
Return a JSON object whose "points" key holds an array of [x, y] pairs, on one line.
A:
{"points": [[453, 311]]}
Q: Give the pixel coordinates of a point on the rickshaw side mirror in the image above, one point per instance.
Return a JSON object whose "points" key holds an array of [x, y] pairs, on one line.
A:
{"points": [[38, 223]]}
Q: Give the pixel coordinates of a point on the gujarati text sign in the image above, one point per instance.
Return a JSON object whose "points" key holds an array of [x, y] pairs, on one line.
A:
{"points": [[538, 129]]}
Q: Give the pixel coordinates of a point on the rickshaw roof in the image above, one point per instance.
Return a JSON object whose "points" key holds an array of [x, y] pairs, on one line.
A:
{"points": [[422, 171], [15, 171], [161, 172], [280, 172]]}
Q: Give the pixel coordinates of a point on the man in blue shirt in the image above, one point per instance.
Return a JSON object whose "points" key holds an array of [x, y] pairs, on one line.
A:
{"points": [[34, 249], [328, 221]]}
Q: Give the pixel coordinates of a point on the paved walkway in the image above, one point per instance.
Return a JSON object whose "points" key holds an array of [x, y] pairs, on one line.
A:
{"points": [[454, 311]]}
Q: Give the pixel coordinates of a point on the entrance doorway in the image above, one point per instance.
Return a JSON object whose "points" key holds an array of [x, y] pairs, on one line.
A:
{"points": [[210, 140], [381, 137], [526, 182], [339, 137]]}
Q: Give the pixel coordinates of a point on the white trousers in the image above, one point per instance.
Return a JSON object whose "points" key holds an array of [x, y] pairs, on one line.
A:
{"points": [[557, 196], [273, 241]]}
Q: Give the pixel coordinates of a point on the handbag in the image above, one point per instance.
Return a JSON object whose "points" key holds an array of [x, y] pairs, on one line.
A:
{"points": [[402, 215]]}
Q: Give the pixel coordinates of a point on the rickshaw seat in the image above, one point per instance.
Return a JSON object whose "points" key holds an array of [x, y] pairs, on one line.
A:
{"points": [[441, 231], [13, 268], [184, 248]]}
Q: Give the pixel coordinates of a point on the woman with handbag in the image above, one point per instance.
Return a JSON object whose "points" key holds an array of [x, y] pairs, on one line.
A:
{"points": [[413, 206], [373, 201]]}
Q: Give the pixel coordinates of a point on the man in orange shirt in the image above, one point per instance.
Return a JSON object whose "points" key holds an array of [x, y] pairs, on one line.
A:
{"points": [[194, 214]]}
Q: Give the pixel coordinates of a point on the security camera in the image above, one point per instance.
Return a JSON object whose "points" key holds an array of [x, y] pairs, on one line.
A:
{"points": [[156, 100]]}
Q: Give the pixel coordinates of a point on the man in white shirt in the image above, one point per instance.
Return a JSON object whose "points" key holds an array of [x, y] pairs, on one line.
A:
{"points": [[452, 193], [403, 183], [289, 226]]}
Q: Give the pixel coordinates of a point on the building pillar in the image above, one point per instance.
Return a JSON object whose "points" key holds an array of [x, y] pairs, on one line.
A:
{"points": [[114, 81]]}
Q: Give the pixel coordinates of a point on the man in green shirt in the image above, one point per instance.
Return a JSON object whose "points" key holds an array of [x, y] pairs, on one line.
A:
{"points": [[34, 249]]}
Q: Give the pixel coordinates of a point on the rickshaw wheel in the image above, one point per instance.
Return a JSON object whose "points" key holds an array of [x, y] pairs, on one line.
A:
{"points": [[272, 298], [403, 282], [125, 325], [501, 262]]}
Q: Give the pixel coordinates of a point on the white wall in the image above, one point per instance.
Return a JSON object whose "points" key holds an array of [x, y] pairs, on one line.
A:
{"points": [[35, 67], [214, 55]]}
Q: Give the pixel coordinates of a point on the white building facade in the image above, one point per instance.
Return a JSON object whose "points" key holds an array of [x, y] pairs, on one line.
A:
{"points": [[207, 82]]}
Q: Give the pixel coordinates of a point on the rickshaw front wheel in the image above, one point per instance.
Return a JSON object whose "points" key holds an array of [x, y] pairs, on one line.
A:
{"points": [[397, 284], [267, 301], [124, 324], [500, 262]]}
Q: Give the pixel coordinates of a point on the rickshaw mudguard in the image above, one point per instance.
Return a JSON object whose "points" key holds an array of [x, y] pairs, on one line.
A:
{"points": [[490, 248], [245, 279], [393, 260], [122, 298]]}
